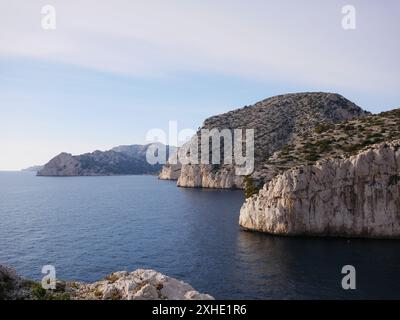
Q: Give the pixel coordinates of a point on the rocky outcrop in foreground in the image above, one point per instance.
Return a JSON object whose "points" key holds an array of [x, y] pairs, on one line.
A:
{"points": [[137, 285], [12, 286], [357, 196], [277, 122]]}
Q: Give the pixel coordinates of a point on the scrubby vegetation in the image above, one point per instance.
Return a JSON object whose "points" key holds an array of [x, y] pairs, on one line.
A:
{"points": [[38, 293], [250, 188], [333, 140]]}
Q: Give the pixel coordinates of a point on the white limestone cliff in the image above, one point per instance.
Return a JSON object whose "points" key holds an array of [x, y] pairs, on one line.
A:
{"points": [[170, 172], [203, 176], [358, 196]]}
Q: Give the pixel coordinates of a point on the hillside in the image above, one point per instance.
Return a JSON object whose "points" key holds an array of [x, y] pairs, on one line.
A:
{"points": [[122, 160], [334, 140], [277, 121]]}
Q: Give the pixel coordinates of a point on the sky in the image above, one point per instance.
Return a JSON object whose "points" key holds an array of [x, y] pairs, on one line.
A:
{"points": [[112, 70]]}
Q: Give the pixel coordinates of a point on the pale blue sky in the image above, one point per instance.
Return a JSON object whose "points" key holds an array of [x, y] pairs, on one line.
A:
{"points": [[111, 71]]}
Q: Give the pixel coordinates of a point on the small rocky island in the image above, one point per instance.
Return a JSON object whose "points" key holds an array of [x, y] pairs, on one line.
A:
{"points": [[137, 285]]}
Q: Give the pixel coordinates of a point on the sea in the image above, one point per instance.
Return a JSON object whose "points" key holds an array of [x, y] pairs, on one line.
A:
{"points": [[89, 227]]}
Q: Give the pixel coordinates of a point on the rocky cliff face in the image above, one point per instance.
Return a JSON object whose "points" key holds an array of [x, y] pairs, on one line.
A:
{"points": [[357, 196], [332, 140], [206, 176], [12, 286], [170, 172], [137, 285], [119, 160], [277, 121]]}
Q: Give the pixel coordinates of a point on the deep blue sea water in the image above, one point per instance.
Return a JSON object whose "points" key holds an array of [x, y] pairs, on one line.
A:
{"points": [[88, 227]]}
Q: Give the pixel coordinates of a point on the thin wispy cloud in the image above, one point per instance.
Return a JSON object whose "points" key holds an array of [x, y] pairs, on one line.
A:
{"points": [[129, 66], [300, 41]]}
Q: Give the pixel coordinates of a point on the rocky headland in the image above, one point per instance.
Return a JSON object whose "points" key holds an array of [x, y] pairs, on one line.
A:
{"points": [[339, 180], [277, 121], [354, 196], [137, 285], [323, 167]]}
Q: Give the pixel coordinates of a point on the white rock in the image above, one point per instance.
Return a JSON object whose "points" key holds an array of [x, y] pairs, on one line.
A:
{"points": [[147, 292], [138, 285], [353, 197], [194, 295]]}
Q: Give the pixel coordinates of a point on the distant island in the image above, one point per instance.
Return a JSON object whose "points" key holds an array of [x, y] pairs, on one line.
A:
{"points": [[121, 160], [33, 169]]}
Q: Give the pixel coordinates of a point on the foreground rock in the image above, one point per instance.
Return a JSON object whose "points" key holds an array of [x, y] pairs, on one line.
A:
{"points": [[357, 196], [277, 122], [137, 285], [33, 169]]}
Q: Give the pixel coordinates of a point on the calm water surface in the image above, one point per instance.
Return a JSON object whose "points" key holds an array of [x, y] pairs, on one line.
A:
{"points": [[88, 227]]}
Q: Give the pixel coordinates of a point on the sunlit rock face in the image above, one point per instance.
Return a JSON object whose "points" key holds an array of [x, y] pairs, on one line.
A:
{"points": [[137, 285], [358, 196]]}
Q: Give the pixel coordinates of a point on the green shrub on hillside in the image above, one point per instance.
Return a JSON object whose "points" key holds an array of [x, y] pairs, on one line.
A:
{"points": [[250, 188]]}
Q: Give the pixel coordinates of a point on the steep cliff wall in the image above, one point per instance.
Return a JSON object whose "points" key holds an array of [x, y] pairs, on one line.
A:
{"points": [[357, 196], [170, 172], [276, 121]]}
